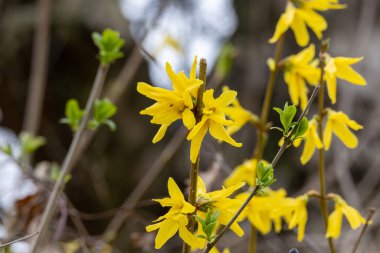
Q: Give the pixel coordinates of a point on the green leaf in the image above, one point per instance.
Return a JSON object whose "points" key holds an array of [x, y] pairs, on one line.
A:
{"points": [[31, 143], [109, 44], [287, 118], [73, 114], [102, 111], [302, 127], [277, 128], [55, 173]]}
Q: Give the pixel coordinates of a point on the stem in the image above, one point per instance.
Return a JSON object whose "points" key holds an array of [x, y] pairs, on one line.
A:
{"points": [[195, 166], [68, 161], [321, 113], [39, 65], [18, 240], [262, 131], [364, 229]]}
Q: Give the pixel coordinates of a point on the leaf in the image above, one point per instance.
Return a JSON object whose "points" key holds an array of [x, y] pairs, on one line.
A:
{"points": [[109, 44], [302, 127], [287, 118], [73, 114], [31, 143]]}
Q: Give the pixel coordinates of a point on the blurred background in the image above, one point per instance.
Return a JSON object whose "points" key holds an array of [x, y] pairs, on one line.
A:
{"points": [[49, 42]]}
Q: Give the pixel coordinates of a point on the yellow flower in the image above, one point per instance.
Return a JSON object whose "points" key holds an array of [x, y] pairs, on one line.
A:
{"points": [[245, 172], [259, 210], [215, 250], [219, 200], [295, 213], [339, 67], [238, 115], [298, 69], [213, 119], [302, 13], [172, 105], [334, 225], [339, 124], [175, 219], [311, 143]]}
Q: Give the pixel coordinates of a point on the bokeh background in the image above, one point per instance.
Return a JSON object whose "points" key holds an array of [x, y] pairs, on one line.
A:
{"points": [[156, 31]]}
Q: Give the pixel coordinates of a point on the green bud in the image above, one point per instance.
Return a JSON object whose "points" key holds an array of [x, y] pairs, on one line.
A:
{"points": [[109, 44]]}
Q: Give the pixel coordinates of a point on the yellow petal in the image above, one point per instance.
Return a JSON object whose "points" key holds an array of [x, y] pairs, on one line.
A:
{"points": [[197, 128], [291, 80], [345, 72], [160, 133], [153, 227], [167, 230], [315, 21], [174, 191], [188, 237], [208, 98], [187, 100], [188, 118], [300, 31], [353, 216], [201, 187], [327, 135], [308, 150], [283, 23], [193, 71], [334, 224], [196, 142], [176, 82], [219, 132], [331, 87], [306, 55], [345, 135], [225, 99]]}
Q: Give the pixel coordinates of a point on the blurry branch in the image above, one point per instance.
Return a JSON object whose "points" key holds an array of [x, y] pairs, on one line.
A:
{"points": [[39, 66], [68, 161], [364, 229], [18, 240]]}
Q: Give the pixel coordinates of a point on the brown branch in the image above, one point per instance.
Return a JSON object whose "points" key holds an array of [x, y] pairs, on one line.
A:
{"points": [[39, 66]]}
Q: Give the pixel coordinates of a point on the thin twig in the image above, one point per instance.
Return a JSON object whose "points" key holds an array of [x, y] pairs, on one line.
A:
{"points": [[39, 66], [68, 162], [18, 240], [364, 229]]}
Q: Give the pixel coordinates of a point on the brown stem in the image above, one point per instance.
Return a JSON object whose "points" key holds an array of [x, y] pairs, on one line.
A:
{"points": [[195, 166], [39, 65], [364, 229], [321, 168], [68, 161]]}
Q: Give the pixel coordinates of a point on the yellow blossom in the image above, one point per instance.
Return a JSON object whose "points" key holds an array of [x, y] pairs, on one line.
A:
{"points": [[302, 13], [298, 69], [245, 172], [219, 200], [238, 115], [295, 212], [215, 250], [213, 119], [172, 105], [175, 219], [339, 67], [334, 225], [339, 124], [312, 141], [259, 210]]}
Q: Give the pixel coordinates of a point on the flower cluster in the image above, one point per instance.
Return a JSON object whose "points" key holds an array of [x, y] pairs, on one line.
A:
{"points": [[182, 103]]}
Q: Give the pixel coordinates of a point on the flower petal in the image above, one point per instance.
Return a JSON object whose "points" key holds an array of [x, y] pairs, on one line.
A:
{"points": [[196, 142], [160, 133], [168, 228], [219, 132]]}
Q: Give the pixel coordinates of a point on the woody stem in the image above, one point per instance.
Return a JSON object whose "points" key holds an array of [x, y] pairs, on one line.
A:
{"points": [[195, 166]]}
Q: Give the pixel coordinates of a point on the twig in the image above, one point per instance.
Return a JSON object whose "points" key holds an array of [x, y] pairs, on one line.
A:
{"points": [[195, 166], [68, 162], [18, 240], [364, 229], [38, 75]]}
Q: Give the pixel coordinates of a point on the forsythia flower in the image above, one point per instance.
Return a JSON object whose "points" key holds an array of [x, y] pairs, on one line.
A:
{"points": [[334, 225], [339, 124], [302, 13], [299, 68], [245, 172], [295, 212], [238, 115], [215, 250], [259, 210], [312, 142], [175, 219], [218, 200], [173, 104], [339, 67], [213, 119]]}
